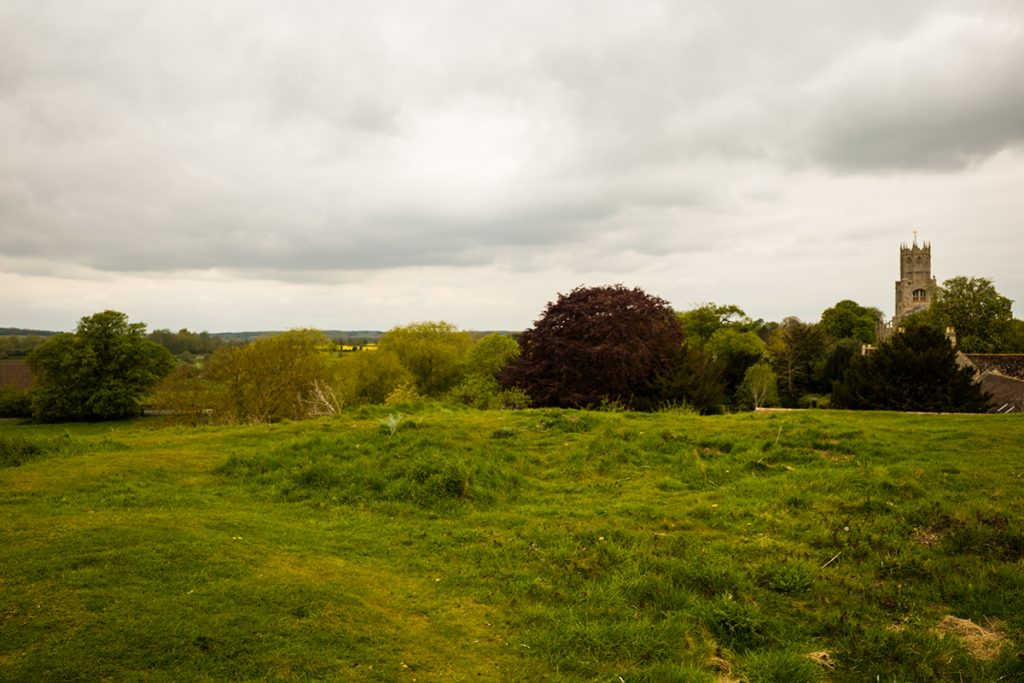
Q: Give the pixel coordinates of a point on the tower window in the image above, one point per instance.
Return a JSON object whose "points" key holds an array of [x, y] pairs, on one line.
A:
{"points": [[919, 295]]}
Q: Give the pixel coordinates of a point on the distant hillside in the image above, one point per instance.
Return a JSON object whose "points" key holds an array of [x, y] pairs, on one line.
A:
{"points": [[20, 332], [365, 335]]}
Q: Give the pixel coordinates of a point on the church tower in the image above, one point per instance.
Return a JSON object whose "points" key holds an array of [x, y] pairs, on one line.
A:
{"points": [[916, 283]]}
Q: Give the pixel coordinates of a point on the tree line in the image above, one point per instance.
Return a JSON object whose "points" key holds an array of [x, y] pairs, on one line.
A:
{"points": [[607, 347]]}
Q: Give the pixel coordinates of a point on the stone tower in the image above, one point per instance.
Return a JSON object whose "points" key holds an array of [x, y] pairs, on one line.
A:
{"points": [[916, 283]]}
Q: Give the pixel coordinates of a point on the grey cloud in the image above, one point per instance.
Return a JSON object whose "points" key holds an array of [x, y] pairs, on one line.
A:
{"points": [[289, 139], [942, 98]]}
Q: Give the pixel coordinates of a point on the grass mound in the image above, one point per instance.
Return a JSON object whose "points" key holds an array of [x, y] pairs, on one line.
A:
{"points": [[16, 450], [433, 544], [404, 466]]}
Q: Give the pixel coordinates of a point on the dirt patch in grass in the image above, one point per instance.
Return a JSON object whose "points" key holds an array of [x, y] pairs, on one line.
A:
{"points": [[982, 643], [926, 537], [823, 659], [722, 669], [835, 458]]}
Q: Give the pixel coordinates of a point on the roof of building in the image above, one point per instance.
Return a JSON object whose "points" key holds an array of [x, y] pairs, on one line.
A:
{"points": [[1006, 364], [1006, 393]]}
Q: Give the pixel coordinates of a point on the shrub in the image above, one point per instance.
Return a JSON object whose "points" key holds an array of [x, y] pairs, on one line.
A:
{"points": [[915, 370], [403, 393], [371, 377], [15, 402], [433, 352], [185, 392], [284, 376], [479, 391]]}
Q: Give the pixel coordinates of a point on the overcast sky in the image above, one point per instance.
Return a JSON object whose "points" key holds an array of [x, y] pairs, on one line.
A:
{"points": [[237, 165]]}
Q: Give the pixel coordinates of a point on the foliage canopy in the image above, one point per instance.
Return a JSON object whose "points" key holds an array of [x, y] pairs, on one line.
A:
{"points": [[701, 323], [796, 349], [915, 370], [849, 320], [98, 372], [434, 352], [981, 316], [284, 376], [595, 345]]}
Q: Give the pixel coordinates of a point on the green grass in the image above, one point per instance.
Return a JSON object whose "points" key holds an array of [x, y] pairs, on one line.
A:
{"points": [[429, 544]]}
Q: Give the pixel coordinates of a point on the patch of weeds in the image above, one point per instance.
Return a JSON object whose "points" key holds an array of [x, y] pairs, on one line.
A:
{"points": [[609, 405], [906, 490], [668, 485], [669, 672], [394, 423], [503, 433], [430, 479], [797, 502], [987, 535], [717, 444], [318, 476], [736, 624], [572, 421], [759, 463], [678, 409], [786, 576], [710, 574], [18, 450], [416, 470], [108, 445], [779, 666], [659, 593], [904, 566], [902, 654], [836, 442], [583, 643], [301, 612]]}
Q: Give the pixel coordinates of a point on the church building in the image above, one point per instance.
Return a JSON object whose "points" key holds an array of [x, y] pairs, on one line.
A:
{"points": [[916, 284]]}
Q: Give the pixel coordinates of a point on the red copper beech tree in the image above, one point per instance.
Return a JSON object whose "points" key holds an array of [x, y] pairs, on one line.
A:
{"points": [[597, 344]]}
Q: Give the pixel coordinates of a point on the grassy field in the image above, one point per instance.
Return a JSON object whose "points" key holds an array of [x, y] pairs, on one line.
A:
{"points": [[425, 544]]}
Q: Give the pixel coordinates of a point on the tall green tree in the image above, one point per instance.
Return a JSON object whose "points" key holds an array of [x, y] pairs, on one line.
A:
{"points": [[371, 376], [99, 372], [760, 386], [694, 378], [849, 320], [701, 323], [796, 349], [1014, 340], [184, 341], [434, 352], [490, 355], [981, 316], [735, 351], [14, 346], [484, 364], [914, 370]]}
